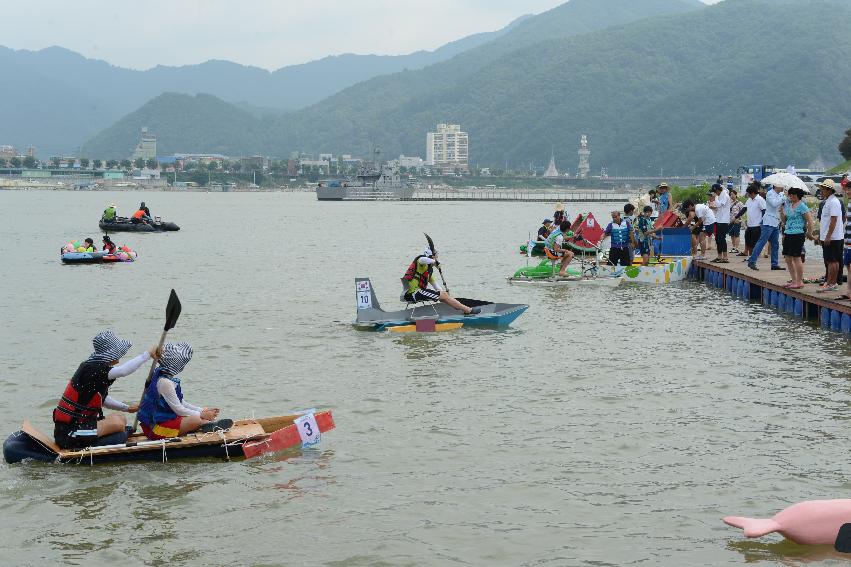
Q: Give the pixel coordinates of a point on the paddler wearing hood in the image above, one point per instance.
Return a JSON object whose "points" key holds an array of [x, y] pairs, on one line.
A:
{"points": [[164, 412], [78, 417], [423, 287]]}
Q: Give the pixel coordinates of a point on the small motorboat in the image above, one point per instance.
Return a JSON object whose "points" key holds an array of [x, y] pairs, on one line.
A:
{"points": [[124, 224], [246, 438], [371, 317]]}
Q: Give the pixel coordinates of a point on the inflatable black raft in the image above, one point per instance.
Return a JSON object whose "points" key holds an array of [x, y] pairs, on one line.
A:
{"points": [[123, 224]]}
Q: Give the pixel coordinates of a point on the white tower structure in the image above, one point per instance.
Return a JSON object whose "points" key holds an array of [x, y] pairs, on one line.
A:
{"points": [[551, 171], [584, 157]]}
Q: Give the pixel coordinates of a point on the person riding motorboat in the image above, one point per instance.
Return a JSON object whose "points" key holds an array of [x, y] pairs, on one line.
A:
{"points": [[164, 412], [140, 217], [142, 207], [421, 285], [555, 245], [109, 213], [78, 417]]}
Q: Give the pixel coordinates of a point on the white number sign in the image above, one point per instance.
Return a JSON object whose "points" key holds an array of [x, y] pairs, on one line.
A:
{"points": [[308, 430], [362, 290]]}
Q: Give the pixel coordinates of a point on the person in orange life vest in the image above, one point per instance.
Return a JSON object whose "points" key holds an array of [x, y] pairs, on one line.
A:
{"points": [[78, 417], [164, 412], [108, 244], [423, 287]]}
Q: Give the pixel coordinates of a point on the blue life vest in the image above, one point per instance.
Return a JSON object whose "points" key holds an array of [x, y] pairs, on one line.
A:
{"points": [[154, 409], [664, 202], [620, 234]]}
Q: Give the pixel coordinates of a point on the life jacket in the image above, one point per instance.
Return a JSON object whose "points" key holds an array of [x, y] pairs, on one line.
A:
{"points": [[138, 214], [154, 409], [80, 406], [620, 234], [109, 214], [109, 247], [551, 239], [418, 273]]}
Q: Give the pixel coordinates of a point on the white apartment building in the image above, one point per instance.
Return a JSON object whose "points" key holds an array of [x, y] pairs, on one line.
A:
{"points": [[448, 148], [147, 147]]}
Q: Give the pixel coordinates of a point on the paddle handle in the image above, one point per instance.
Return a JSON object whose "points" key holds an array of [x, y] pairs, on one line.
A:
{"points": [[148, 380], [442, 279]]}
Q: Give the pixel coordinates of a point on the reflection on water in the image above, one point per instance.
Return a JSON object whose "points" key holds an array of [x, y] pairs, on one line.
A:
{"points": [[607, 426], [786, 552]]}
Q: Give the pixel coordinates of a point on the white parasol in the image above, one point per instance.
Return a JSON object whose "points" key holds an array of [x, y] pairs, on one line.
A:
{"points": [[786, 180]]}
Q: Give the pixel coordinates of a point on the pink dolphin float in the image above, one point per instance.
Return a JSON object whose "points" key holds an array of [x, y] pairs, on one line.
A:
{"points": [[816, 522]]}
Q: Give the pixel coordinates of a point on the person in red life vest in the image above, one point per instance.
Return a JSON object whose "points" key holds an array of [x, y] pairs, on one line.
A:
{"points": [[164, 412], [422, 287], [78, 418], [108, 244]]}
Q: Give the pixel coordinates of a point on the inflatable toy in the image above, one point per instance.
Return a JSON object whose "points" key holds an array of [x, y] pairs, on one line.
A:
{"points": [[816, 522]]}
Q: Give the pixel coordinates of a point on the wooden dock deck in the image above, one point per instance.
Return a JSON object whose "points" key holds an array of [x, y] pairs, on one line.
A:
{"points": [[766, 286]]}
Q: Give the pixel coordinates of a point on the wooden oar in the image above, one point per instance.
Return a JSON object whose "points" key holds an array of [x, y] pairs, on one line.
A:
{"points": [[172, 312], [439, 269]]}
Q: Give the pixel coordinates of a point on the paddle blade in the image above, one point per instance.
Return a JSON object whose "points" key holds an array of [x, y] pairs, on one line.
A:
{"points": [[172, 311], [430, 243]]}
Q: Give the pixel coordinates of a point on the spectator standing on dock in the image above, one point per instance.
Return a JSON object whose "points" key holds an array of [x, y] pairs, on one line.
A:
{"points": [[797, 223], [754, 206], [770, 229], [737, 210], [831, 233], [630, 217], [846, 257], [722, 205], [621, 233]]}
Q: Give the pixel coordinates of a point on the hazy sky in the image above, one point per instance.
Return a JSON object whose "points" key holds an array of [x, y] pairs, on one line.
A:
{"points": [[264, 33]]}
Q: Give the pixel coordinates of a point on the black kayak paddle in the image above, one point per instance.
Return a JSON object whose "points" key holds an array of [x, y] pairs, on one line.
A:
{"points": [[439, 269], [172, 313]]}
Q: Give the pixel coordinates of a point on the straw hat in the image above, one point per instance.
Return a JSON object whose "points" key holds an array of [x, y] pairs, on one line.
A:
{"points": [[559, 207], [828, 184], [662, 185]]}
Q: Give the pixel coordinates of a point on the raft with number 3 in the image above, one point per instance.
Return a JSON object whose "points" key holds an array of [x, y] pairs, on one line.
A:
{"points": [[246, 438]]}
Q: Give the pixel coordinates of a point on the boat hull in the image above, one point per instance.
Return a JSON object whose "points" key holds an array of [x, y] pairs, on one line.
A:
{"points": [[89, 258], [127, 226], [673, 271]]}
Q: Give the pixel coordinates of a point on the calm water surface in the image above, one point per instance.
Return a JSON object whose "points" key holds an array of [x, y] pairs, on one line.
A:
{"points": [[605, 427]]}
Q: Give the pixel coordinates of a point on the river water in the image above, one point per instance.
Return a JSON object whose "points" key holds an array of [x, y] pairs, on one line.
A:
{"points": [[605, 427]]}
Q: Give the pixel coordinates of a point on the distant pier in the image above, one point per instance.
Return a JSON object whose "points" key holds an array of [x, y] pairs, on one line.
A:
{"points": [[766, 287], [524, 195]]}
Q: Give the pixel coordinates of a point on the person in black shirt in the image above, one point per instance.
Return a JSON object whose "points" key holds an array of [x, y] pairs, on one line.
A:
{"points": [[545, 230]]}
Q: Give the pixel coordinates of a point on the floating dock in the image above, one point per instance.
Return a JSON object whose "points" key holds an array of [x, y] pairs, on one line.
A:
{"points": [[766, 286], [526, 195]]}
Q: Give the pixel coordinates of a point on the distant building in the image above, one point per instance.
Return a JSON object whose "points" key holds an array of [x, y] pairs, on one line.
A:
{"points": [[448, 148], [8, 152], [584, 157], [253, 163], [551, 171], [147, 147], [409, 162], [202, 159]]}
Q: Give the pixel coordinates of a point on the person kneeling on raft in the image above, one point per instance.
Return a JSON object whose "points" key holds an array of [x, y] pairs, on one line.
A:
{"points": [[108, 244], [422, 287], [78, 418], [163, 412]]}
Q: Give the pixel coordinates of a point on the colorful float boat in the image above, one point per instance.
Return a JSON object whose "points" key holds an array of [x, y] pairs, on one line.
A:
{"points": [[371, 317], [246, 438], [663, 271]]}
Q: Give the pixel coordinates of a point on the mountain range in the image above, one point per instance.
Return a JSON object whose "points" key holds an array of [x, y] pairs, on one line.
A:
{"points": [[60, 99], [656, 85]]}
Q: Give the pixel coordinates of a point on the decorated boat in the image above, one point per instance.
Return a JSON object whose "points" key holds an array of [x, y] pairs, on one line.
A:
{"points": [[245, 438], [546, 274], [371, 317], [586, 237], [662, 271]]}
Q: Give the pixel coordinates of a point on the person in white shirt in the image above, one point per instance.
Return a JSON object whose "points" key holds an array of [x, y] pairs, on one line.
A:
{"points": [[831, 233], [755, 206], [770, 229], [702, 214], [721, 208]]}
